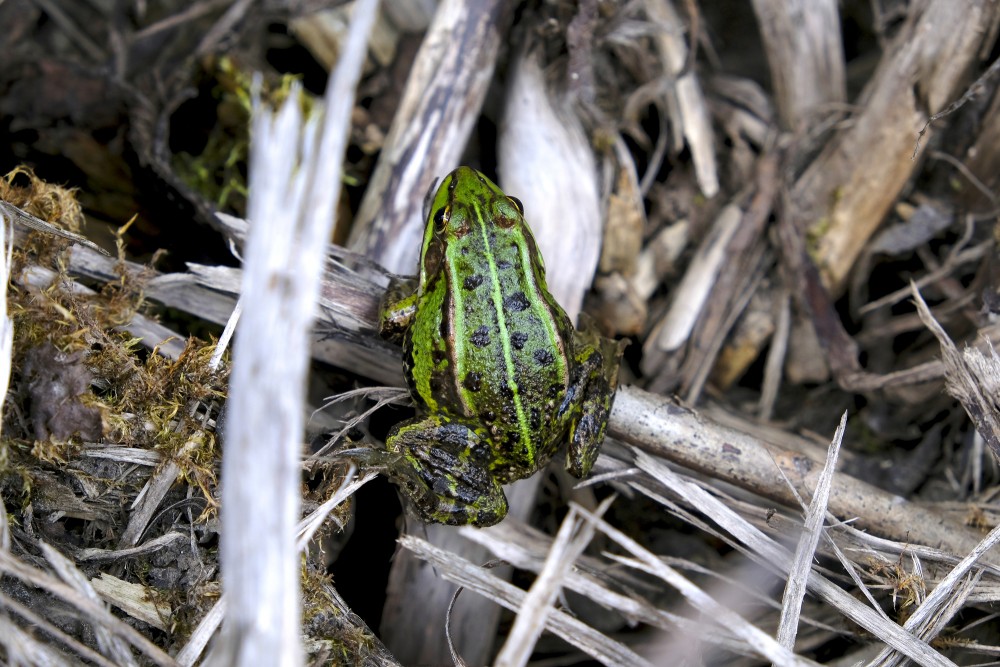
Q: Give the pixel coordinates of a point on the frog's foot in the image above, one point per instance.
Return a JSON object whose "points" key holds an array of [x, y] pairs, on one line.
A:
{"points": [[596, 382], [442, 468]]}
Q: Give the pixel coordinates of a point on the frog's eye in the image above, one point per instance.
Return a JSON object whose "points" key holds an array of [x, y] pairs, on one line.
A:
{"points": [[441, 217], [517, 204]]}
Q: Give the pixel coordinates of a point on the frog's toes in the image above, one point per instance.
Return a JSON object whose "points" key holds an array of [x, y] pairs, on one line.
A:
{"points": [[586, 441], [372, 458], [443, 473], [459, 505]]}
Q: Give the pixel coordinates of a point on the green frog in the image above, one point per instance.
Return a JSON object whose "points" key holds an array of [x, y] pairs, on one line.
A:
{"points": [[499, 374]]}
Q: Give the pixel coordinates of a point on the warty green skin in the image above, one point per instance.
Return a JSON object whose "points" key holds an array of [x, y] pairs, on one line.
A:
{"points": [[499, 374]]}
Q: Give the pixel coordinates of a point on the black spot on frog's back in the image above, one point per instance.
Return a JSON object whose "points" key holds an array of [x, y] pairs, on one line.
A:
{"points": [[472, 282], [543, 357], [473, 381], [516, 302], [518, 339], [510, 442], [480, 337]]}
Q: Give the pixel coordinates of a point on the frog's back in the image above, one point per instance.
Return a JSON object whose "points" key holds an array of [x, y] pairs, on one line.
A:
{"points": [[489, 343]]}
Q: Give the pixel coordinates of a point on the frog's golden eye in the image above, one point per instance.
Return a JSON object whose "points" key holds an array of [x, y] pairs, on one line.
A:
{"points": [[441, 217], [517, 204]]}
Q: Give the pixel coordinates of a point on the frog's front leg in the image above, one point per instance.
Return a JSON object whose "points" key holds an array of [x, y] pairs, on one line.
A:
{"points": [[589, 398], [397, 309], [442, 468]]}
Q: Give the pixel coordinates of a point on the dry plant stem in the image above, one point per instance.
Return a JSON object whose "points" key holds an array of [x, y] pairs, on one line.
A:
{"points": [[862, 542], [731, 291], [693, 117], [202, 634], [6, 325], [14, 214], [136, 600], [689, 297], [761, 643], [79, 37], [440, 104], [982, 159], [349, 301], [51, 630], [416, 598], [23, 648], [944, 596], [852, 572], [147, 548], [975, 89], [970, 378], [526, 549], [130, 455], [795, 588], [186, 15], [736, 287], [804, 54], [927, 372], [4, 528], [93, 611], [311, 523], [539, 130], [226, 337], [957, 599], [713, 292], [771, 555], [754, 327], [975, 254], [152, 334], [152, 494], [209, 623], [774, 365], [295, 169], [227, 22], [572, 538], [559, 623], [847, 190], [665, 429], [178, 290], [110, 645], [815, 302]]}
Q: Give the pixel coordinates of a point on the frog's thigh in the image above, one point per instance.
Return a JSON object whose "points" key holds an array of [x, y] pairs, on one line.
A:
{"points": [[442, 473], [597, 373]]}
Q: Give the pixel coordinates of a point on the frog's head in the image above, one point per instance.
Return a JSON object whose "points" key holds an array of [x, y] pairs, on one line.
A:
{"points": [[467, 203]]}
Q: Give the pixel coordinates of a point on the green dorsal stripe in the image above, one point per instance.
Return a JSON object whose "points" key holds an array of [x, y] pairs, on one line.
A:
{"points": [[508, 356]]}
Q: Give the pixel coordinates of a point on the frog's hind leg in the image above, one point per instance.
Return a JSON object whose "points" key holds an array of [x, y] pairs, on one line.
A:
{"points": [[443, 469], [596, 382]]}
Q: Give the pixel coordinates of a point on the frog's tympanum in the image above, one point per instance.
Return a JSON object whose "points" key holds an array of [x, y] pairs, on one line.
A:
{"points": [[500, 376]]}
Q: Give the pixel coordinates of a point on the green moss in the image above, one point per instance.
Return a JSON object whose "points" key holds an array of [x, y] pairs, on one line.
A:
{"points": [[218, 168]]}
